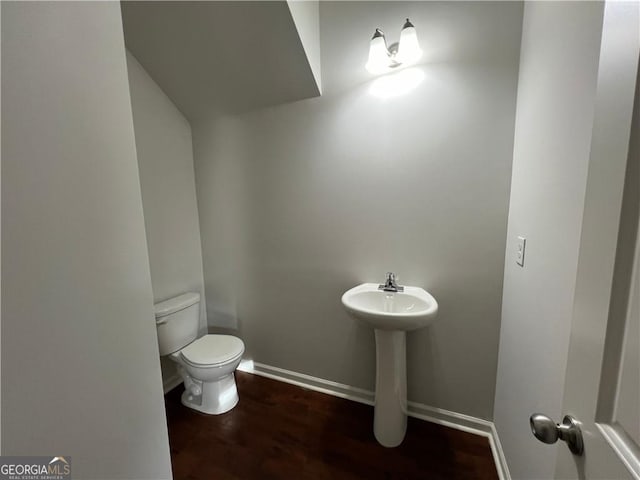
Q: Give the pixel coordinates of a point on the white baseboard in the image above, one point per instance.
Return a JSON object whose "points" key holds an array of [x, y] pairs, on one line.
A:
{"points": [[172, 382], [498, 454], [459, 421]]}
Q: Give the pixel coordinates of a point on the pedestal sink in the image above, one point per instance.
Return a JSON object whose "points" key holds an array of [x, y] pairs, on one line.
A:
{"points": [[391, 314]]}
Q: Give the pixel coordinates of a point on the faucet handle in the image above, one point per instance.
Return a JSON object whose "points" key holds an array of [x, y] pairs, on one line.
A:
{"points": [[391, 284]]}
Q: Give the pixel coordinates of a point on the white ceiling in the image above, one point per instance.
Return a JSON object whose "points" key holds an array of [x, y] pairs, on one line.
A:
{"points": [[226, 57]]}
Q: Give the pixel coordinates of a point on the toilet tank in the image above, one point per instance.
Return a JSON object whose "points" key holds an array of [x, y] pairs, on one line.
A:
{"points": [[177, 321]]}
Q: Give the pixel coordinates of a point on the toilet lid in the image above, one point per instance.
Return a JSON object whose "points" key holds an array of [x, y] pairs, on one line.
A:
{"points": [[213, 349]]}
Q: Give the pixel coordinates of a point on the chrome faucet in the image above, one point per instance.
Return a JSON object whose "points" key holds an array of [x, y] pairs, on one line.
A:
{"points": [[390, 284]]}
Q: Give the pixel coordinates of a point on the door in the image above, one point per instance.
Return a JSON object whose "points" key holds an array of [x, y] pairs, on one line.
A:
{"points": [[602, 386]]}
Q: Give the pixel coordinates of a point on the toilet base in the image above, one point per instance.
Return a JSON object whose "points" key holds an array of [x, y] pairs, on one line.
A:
{"points": [[217, 397]]}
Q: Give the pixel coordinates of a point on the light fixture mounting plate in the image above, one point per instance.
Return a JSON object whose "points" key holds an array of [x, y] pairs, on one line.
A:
{"points": [[393, 51]]}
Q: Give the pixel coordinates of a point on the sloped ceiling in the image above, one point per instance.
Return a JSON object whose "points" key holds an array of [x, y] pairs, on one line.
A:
{"points": [[220, 57]]}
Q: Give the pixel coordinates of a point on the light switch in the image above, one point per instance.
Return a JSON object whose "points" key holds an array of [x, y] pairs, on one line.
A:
{"points": [[522, 242]]}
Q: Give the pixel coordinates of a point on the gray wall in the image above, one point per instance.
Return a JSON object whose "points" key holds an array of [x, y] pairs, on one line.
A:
{"points": [[80, 370], [556, 94], [165, 160], [300, 202]]}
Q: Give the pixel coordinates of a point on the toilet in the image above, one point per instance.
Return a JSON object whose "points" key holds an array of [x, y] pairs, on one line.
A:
{"points": [[206, 364]]}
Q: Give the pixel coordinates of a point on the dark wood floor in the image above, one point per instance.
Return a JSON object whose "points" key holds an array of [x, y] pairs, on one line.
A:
{"points": [[280, 431]]}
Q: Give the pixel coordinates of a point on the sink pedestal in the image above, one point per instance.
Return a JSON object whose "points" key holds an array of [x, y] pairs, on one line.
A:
{"points": [[391, 314], [390, 411]]}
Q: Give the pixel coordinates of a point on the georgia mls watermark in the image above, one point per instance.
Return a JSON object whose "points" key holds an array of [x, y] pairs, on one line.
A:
{"points": [[35, 468]]}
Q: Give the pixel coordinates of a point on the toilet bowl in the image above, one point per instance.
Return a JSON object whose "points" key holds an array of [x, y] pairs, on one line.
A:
{"points": [[206, 367], [206, 364]]}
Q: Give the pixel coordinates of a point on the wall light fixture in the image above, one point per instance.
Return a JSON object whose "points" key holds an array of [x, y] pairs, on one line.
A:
{"points": [[383, 59]]}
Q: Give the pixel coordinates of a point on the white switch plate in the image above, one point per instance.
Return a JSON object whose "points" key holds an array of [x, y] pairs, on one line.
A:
{"points": [[522, 242]]}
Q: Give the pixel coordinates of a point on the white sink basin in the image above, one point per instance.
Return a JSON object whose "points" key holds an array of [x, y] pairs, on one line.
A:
{"points": [[408, 310]]}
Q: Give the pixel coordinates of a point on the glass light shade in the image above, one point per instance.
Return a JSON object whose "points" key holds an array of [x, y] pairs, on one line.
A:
{"points": [[409, 51], [378, 56]]}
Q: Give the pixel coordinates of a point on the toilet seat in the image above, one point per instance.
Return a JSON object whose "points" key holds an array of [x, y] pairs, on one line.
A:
{"points": [[211, 350]]}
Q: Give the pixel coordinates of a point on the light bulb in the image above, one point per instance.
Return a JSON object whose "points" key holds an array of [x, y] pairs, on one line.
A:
{"points": [[378, 61], [409, 51]]}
